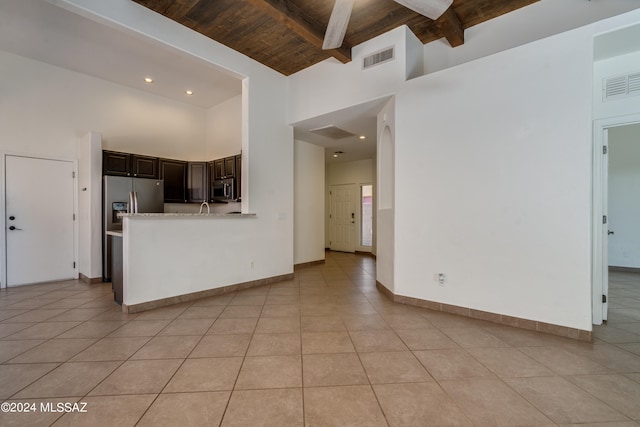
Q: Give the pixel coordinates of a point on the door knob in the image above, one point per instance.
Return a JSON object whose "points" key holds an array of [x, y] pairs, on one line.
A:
{"points": [[14, 228], [610, 232]]}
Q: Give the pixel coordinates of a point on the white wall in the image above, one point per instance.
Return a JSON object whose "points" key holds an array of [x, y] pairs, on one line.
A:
{"points": [[520, 27], [224, 129], [493, 183], [222, 252], [46, 110], [89, 206], [612, 67], [624, 196], [414, 56], [358, 172], [309, 226], [385, 191], [330, 85]]}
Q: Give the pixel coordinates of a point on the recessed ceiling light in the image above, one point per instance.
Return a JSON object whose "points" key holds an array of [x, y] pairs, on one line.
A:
{"points": [[188, 92], [362, 137], [337, 153], [148, 80]]}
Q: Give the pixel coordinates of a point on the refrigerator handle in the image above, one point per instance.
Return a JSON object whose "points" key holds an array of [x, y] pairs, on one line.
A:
{"points": [[135, 201], [131, 208]]}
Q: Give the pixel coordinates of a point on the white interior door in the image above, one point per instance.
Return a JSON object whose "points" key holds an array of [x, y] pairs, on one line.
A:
{"points": [[343, 217], [39, 218]]}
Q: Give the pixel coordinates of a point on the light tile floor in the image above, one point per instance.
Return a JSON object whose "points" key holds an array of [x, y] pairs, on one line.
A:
{"points": [[324, 349]]}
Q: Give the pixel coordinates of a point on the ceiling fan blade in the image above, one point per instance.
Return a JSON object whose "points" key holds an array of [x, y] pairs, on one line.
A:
{"points": [[430, 8], [338, 22]]}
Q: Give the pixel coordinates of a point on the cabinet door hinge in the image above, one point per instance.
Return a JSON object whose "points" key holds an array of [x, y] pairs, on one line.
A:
{"points": [[73, 174], [74, 264], [74, 217], [604, 219], [604, 149], [604, 298]]}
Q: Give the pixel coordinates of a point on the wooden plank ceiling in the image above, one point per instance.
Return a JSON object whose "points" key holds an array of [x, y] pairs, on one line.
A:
{"points": [[287, 35]]}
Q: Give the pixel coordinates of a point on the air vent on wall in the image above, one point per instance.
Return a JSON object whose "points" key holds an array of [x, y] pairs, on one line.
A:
{"points": [[332, 132], [621, 86], [377, 58]]}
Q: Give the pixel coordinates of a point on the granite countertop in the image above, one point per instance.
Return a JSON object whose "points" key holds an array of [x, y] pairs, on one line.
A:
{"points": [[187, 215]]}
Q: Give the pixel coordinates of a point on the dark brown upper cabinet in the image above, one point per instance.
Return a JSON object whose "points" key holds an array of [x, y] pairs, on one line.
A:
{"points": [[125, 164], [184, 182], [144, 166], [174, 175], [224, 168], [230, 167], [114, 163], [218, 169], [197, 186]]}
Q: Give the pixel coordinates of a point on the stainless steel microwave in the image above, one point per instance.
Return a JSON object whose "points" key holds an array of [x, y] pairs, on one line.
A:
{"points": [[223, 190]]}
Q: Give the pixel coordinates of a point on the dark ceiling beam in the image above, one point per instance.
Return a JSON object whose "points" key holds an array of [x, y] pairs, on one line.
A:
{"points": [[289, 15], [451, 28]]}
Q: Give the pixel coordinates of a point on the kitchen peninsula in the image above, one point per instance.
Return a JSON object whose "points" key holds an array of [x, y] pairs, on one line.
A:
{"points": [[172, 257]]}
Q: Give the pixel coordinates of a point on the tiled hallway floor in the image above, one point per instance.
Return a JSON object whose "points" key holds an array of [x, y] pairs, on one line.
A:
{"points": [[324, 349]]}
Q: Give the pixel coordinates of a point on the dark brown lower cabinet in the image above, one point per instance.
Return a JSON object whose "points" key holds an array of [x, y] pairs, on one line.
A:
{"points": [[116, 268]]}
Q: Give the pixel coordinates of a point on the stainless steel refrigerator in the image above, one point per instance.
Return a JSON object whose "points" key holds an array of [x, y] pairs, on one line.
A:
{"points": [[124, 194]]}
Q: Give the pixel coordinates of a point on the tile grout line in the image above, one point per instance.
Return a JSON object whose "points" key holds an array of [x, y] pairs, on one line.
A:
{"points": [[87, 395], [233, 388], [180, 365]]}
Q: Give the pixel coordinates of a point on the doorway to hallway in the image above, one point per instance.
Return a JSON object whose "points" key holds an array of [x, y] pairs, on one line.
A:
{"points": [[623, 228], [604, 224]]}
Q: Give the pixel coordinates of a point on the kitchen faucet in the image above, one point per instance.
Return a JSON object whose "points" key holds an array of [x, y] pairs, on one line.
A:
{"points": [[204, 203]]}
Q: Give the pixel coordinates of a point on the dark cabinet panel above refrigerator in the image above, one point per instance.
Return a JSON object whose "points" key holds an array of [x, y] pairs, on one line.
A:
{"points": [[124, 164], [117, 164]]}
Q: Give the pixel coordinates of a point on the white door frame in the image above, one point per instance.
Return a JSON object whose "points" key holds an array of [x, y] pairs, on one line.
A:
{"points": [[3, 225], [599, 183], [359, 216]]}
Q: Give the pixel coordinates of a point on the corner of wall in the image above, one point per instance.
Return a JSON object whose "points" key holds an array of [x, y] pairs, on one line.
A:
{"points": [[385, 218], [414, 55], [89, 205]]}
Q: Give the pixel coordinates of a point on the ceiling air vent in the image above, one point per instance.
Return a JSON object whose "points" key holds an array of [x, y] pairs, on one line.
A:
{"points": [[332, 132], [379, 57], [622, 86]]}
